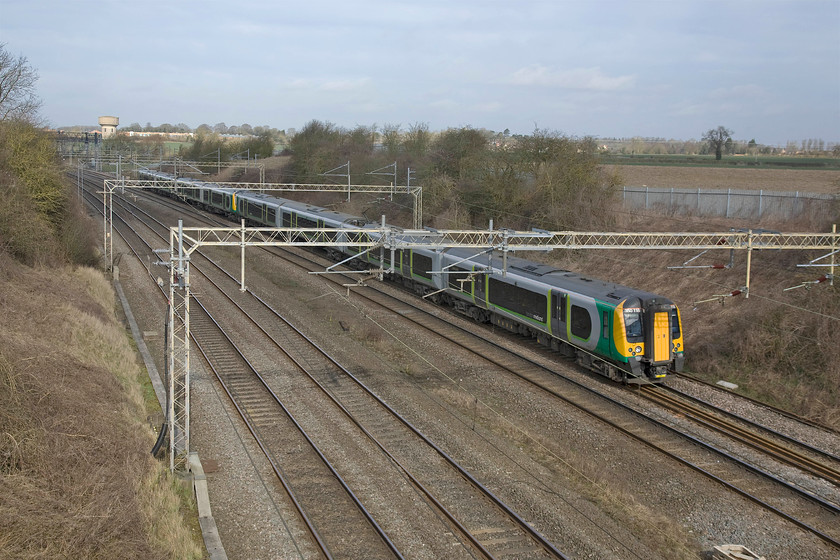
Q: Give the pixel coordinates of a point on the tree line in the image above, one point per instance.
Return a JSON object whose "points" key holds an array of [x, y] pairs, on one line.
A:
{"points": [[544, 179], [221, 128], [639, 145]]}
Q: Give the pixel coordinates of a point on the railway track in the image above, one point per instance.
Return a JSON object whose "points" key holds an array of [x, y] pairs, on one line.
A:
{"points": [[215, 345], [491, 532], [814, 514], [484, 523], [758, 404], [820, 464], [812, 517], [345, 529]]}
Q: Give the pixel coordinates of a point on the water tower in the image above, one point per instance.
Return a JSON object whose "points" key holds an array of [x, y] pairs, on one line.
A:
{"points": [[109, 126]]}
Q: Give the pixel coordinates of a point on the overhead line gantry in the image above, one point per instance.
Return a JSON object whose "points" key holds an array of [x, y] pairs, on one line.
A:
{"points": [[185, 240]]}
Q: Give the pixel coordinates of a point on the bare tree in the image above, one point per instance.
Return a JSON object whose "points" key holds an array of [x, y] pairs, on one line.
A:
{"points": [[717, 139], [17, 87]]}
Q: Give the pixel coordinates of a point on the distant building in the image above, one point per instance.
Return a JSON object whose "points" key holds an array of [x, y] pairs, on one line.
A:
{"points": [[109, 126]]}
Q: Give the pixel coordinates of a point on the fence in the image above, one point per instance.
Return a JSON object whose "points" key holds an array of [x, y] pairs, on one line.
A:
{"points": [[732, 203]]}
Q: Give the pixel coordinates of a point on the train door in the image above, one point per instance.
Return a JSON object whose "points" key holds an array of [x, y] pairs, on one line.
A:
{"points": [[405, 263], [658, 345], [605, 330], [558, 314], [481, 289]]}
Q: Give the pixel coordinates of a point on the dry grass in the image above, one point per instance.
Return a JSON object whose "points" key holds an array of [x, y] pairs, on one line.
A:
{"points": [[76, 478]]}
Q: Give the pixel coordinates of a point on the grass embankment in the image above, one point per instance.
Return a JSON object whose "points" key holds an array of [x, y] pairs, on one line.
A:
{"points": [[778, 346], [76, 476]]}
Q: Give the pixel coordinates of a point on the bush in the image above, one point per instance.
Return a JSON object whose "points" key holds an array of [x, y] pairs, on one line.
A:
{"points": [[40, 221]]}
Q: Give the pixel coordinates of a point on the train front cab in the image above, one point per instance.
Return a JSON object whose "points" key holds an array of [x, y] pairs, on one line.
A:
{"points": [[648, 338]]}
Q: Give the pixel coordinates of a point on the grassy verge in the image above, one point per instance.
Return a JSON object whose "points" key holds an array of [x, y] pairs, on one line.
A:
{"points": [[76, 476]]}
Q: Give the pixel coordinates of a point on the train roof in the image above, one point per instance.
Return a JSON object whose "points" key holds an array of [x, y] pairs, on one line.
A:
{"points": [[300, 207], [216, 188], [260, 197], [559, 278]]}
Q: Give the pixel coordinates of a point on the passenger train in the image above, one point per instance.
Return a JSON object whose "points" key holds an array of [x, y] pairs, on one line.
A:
{"points": [[628, 335]]}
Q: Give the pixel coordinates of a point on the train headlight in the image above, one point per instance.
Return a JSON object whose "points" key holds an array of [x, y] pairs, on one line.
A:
{"points": [[638, 349], [630, 350]]}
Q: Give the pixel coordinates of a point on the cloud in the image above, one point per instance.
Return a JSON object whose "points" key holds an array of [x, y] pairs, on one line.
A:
{"points": [[344, 85], [739, 100], [592, 79], [749, 91], [489, 107], [444, 104], [323, 84]]}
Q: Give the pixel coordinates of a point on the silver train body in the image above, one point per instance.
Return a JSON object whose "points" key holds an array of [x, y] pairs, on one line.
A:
{"points": [[628, 335]]}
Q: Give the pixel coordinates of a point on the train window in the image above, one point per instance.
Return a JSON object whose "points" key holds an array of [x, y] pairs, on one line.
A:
{"points": [[388, 260], [558, 311], [605, 324], [216, 199], [675, 324], [303, 222], [287, 219], [457, 273], [421, 265], [271, 215], [633, 323], [519, 300], [581, 322], [254, 210]]}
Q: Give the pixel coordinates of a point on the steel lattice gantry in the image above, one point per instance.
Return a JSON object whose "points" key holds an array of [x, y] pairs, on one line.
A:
{"points": [[185, 240]]}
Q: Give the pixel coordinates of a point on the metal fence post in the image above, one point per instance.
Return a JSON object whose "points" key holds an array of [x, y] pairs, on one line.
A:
{"points": [[728, 199]]}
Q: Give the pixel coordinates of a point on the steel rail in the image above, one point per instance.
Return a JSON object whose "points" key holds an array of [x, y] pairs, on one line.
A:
{"points": [[777, 410], [789, 456], [247, 417]]}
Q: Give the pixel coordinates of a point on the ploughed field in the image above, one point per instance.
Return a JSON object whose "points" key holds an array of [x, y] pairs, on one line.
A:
{"points": [[803, 180]]}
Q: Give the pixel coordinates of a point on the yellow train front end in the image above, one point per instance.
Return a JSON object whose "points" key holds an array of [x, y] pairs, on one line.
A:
{"points": [[648, 338]]}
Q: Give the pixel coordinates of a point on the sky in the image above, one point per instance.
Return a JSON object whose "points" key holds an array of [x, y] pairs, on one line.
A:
{"points": [[768, 70]]}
